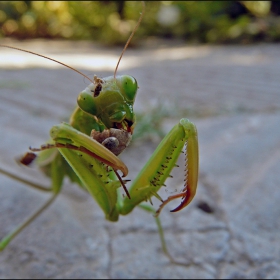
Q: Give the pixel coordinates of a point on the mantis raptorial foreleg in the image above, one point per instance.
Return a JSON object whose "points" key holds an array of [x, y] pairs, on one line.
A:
{"points": [[153, 175]]}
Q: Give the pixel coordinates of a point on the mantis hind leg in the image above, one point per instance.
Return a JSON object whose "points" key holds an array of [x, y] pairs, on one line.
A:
{"points": [[164, 247], [25, 181], [9, 237], [57, 178], [160, 230]]}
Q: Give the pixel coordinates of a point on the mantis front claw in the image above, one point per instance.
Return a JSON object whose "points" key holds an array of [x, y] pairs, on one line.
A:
{"points": [[158, 168], [191, 175]]}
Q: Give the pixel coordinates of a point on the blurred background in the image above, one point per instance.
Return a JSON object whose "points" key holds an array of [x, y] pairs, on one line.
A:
{"points": [[111, 22]]}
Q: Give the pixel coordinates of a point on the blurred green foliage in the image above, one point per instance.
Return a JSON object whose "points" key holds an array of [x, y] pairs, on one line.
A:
{"points": [[111, 22]]}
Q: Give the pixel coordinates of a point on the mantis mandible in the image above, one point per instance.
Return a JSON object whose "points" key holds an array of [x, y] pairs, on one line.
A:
{"points": [[86, 150]]}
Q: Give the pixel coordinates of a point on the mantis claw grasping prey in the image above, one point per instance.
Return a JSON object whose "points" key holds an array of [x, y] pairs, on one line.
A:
{"points": [[86, 150]]}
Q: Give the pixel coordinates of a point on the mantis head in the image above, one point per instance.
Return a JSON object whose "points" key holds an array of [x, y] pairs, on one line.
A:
{"points": [[111, 101]]}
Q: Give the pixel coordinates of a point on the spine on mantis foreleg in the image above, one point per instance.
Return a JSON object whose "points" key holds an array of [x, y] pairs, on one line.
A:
{"points": [[158, 168]]}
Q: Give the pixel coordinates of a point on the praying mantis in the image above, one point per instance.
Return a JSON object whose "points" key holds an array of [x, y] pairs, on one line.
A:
{"points": [[86, 150]]}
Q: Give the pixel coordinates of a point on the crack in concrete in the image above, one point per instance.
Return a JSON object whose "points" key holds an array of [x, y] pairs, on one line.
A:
{"points": [[258, 171], [219, 212], [131, 230]]}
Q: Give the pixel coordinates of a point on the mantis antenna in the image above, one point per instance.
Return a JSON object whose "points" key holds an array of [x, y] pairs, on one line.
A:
{"points": [[5, 46], [130, 37], [61, 63]]}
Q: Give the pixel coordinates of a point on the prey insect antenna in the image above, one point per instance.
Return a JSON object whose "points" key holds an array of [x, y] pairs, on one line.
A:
{"points": [[130, 37], [61, 63]]}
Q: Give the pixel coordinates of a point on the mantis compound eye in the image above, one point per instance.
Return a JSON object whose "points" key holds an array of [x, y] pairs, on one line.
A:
{"points": [[86, 103], [129, 86]]}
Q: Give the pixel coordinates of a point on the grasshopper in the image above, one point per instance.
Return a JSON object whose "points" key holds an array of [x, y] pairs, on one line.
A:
{"points": [[86, 150]]}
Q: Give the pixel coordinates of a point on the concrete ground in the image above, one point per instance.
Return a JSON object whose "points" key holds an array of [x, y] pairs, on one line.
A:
{"points": [[230, 230]]}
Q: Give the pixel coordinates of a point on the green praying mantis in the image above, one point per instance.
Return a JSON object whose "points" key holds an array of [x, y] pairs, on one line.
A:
{"points": [[86, 150]]}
